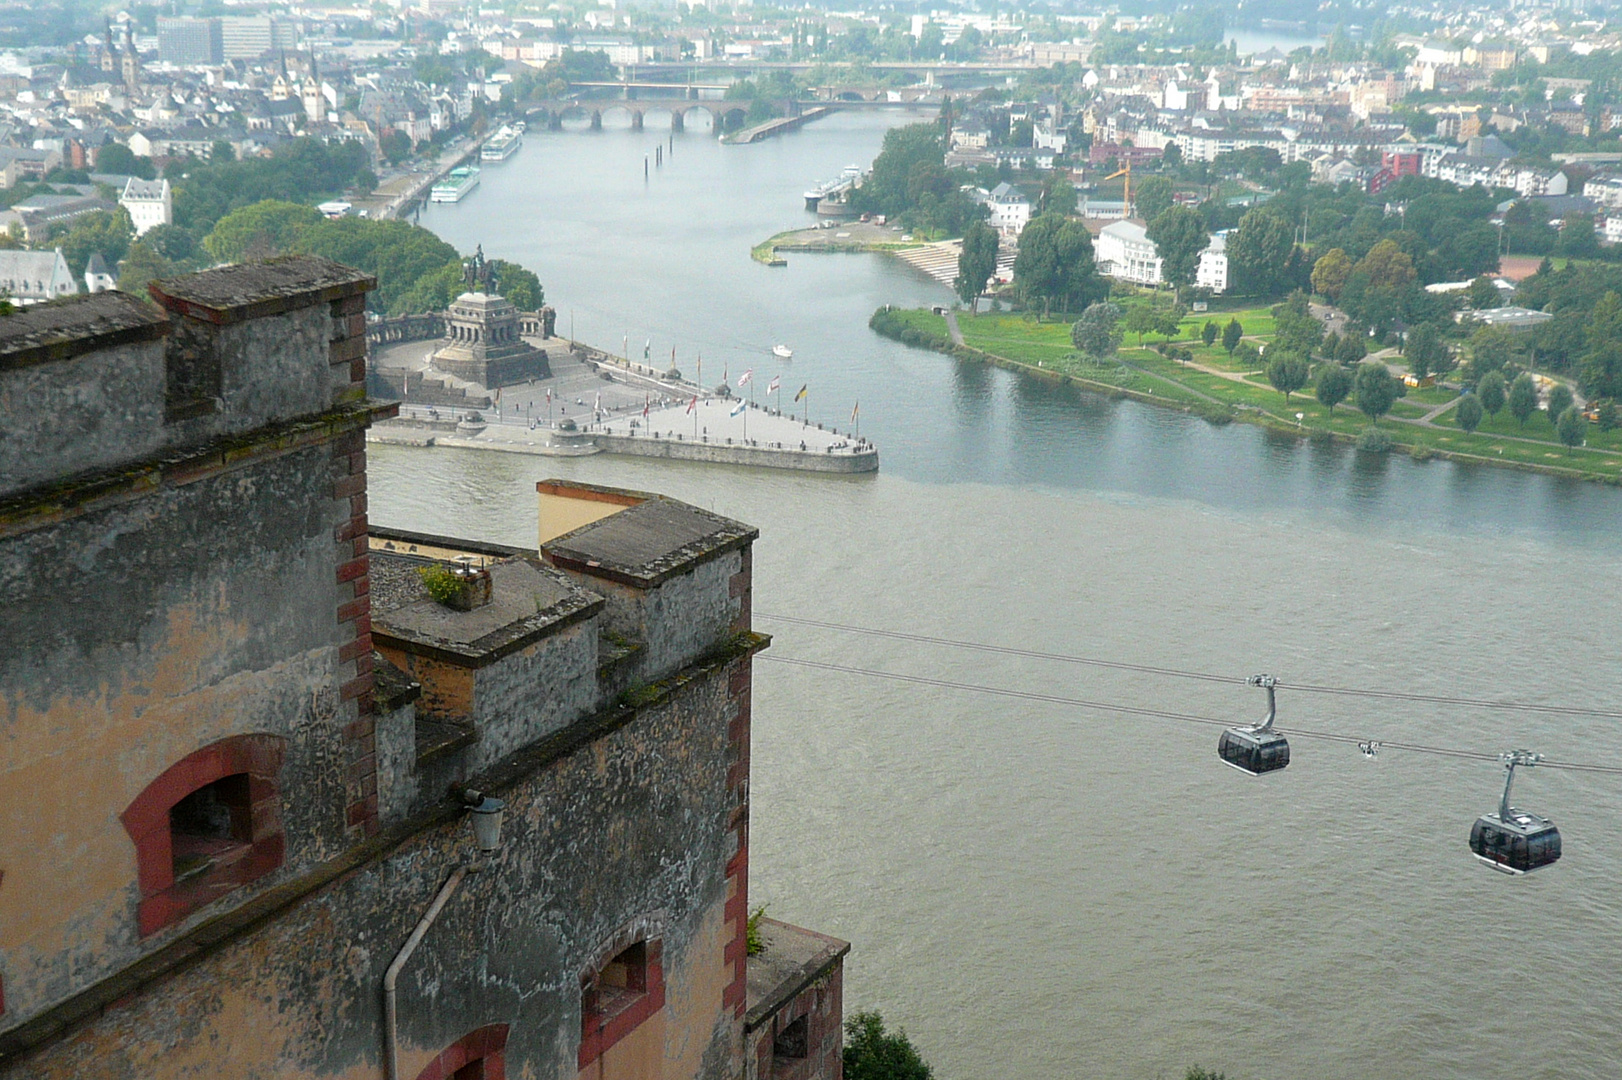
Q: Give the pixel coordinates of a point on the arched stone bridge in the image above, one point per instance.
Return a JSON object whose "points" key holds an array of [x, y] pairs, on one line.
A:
{"points": [[552, 113]]}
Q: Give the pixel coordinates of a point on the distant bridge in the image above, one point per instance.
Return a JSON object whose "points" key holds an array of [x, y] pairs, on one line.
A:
{"points": [[553, 113]]}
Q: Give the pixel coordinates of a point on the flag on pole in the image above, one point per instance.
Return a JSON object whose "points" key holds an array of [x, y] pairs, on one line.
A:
{"points": [[645, 402], [853, 410], [723, 374], [691, 405], [598, 406], [738, 408], [498, 395], [801, 395], [773, 386], [743, 380], [646, 346], [549, 395]]}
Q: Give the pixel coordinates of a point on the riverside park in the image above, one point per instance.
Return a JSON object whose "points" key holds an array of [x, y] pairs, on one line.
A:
{"points": [[1222, 387]]}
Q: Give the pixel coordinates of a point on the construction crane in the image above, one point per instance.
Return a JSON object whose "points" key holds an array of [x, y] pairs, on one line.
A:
{"points": [[1126, 197]]}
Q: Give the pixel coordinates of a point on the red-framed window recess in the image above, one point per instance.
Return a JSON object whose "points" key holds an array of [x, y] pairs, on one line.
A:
{"points": [[209, 825], [478, 1055], [623, 986]]}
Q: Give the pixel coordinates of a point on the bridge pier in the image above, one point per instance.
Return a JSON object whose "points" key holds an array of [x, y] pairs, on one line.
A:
{"points": [[554, 120], [636, 120], [596, 120], [676, 121]]}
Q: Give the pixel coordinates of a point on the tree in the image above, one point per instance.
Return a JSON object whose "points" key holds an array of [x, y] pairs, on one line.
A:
{"points": [[1376, 389], [1231, 335], [1491, 392], [1295, 330], [1330, 272], [1258, 252], [262, 229], [1140, 319], [977, 262], [1169, 320], [1601, 367], [1151, 197], [1179, 235], [1055, 263], [1351, 350], [106, 231], [1209, 332], [885, 190], [1388, 266], [142, 265], [1096, 332], [519, 285], [1483, 294], [1523, 397], [1058, 195], [1288, 373], [871, 1053], [1605, 416], [1492, 348], [1334, 384], [1560, 399], [1571, 427], [1422, 348], [1468, 412], [395, 145], [120, 160]]}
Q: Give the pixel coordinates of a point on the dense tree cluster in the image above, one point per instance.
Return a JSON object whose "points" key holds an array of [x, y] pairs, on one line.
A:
{"points": [[416, 270], [910, 182], [1055, 266]]}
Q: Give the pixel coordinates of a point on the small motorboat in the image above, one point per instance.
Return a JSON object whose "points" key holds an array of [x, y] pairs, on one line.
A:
{"points": [[782, 352]]}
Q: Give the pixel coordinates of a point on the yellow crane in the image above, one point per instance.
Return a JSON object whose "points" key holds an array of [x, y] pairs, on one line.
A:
{"points": [[1126, 197]]}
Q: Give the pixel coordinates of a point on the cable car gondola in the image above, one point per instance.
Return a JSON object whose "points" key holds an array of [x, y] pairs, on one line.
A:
{"points": [[1513, 840], [1257, 749]]}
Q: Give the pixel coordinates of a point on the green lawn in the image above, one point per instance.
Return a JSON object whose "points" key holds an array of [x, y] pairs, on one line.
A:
{"points": [[1047, 347]]}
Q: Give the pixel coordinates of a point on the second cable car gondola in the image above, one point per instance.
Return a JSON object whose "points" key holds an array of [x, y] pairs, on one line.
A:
{"points": [[1513, 840], [1256, 749]]}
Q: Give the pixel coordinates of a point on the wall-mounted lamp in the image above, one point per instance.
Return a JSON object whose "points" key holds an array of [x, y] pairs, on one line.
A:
{"points": [[487, 814]]}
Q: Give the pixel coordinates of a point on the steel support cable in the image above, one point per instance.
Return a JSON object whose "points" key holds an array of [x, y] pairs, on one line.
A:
{"points": [[1203, 676], [1163, 714]]}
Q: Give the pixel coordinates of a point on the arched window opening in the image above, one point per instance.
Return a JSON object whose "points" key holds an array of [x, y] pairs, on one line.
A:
{"points": [[209, 825]]}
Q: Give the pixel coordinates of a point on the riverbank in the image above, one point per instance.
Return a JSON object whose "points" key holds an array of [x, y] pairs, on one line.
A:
{"points": [[1221, 390], [842, 236]]}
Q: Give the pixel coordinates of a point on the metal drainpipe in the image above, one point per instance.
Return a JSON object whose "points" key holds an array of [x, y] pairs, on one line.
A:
{"points": [[391, 1047]]}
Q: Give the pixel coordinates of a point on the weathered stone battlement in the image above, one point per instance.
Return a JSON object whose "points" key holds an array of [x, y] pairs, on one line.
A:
{"points": [[99, 382]]}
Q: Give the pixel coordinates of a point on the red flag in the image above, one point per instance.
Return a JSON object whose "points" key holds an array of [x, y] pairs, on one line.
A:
{"points": [[645, 408], [691, 405]]}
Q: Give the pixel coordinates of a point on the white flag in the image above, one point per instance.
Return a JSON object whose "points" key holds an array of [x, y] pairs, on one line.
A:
{"points": [[743, 380], [771, 387]]}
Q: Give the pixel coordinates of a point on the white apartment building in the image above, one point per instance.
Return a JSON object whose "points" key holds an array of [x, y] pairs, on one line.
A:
{"points": [[1010, 209], [1125, 251], [149, 203], [1613, 229], [1212, 273]]}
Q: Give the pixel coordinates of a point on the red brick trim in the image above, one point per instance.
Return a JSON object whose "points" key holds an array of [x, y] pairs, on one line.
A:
{"points": [[739, 692], [598, 1033], [147, 821], [354, 606], [487, 1046]]}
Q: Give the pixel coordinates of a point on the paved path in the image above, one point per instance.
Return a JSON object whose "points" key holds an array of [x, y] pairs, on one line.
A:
{"points": [[951, 327]]}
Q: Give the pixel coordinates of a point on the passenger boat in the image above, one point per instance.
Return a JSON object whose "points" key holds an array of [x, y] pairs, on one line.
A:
{"points": [[455, 186], [782, 352], [502, 145]]}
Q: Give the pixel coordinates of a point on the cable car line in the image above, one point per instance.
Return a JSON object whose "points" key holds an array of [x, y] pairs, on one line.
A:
{"points": [[1178, 673], [1163, 714]]}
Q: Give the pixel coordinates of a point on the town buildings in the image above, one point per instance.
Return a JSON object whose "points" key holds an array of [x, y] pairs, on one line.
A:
{"points": [[149, 202], [251, 743], [1124, 251]]}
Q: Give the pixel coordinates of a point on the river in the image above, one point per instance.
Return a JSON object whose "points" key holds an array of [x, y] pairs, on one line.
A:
{"points": [[1036, 889]]}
